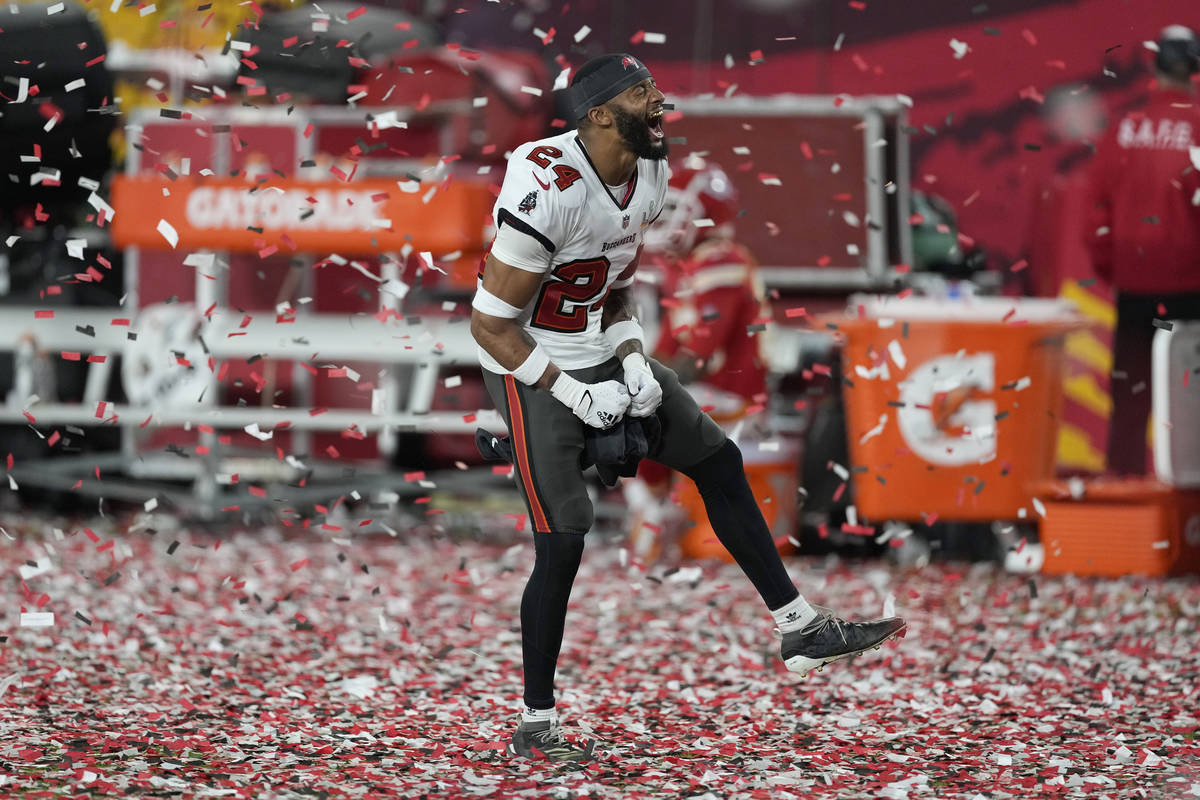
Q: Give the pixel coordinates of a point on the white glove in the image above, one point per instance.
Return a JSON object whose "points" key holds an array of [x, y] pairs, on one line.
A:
{"points": [[646, 393], [600, 405]]}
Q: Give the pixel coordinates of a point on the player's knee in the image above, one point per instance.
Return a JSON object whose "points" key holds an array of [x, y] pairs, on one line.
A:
{"points": [[560, 551], [718, 467], [575, 515]]}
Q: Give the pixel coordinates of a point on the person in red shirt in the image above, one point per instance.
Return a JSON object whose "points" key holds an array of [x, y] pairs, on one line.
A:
{"points": [[1144, 233], [712, 329]]}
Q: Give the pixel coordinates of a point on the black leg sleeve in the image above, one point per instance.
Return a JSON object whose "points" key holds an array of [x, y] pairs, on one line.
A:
{"points": [[544, 611], [739, 524]]}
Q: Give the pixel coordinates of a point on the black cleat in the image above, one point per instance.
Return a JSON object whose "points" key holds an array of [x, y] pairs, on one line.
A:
{"points": [[828, 638], [547, 740]]}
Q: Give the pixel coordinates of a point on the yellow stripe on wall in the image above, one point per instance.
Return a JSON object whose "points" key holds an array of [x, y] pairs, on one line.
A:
{"points": [[1083, 346], [1090, 305], [1084, 390], [1076, 451]]}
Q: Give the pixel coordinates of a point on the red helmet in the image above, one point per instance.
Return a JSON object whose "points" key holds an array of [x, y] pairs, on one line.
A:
{"points": [[698, 192]]}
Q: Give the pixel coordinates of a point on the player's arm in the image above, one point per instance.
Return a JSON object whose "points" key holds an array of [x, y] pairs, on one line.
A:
{"points": [[620, 307], [502, 294], [619, 322], [618, 318], [503, 337]]}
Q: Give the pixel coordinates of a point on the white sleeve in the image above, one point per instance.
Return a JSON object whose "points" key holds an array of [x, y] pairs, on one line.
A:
{"points": [[519, 249], [530, 203]]}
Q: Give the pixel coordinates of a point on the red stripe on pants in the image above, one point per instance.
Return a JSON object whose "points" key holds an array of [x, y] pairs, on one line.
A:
{"points": [[521, 452]]}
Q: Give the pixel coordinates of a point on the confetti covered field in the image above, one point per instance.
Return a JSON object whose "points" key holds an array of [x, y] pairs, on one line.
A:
{"points": [[269, 664]]}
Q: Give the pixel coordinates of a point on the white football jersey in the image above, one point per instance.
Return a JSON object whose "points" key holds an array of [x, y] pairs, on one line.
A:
{"points": [[589, 237]]}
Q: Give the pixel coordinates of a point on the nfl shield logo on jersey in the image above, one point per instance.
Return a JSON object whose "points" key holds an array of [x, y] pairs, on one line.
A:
{"points": [[529, 203], [625, 221]]}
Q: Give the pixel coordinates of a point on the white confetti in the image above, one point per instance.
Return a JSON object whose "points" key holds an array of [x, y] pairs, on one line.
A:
{"points": [[257, 432], [78, 83], [361, 687], [75, 248], [453, 382], [654, 38], [151, 504], [33, 571], [582, 33], [168, 232], [9, 681], [37, 619], [876, 431], [388, 119], [960, 48], [563, 80], [1039, 508], [533, 90], [897, 353], [200, 260], [55, 9]]}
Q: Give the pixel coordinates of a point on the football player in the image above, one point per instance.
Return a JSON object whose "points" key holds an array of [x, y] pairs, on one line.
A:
{"points": [[561, 351]]}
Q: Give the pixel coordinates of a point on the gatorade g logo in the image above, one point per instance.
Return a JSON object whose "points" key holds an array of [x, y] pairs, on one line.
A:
{"points": [[947, 417]]}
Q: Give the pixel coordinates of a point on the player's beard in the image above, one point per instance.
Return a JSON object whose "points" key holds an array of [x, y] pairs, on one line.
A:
{"points": [[635, 133]]}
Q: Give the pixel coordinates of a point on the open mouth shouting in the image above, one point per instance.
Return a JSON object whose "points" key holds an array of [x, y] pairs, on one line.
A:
{"points": [[654, 122]]}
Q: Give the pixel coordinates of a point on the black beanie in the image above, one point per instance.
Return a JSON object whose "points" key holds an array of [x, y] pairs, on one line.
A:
{"points": [[603, 78]]}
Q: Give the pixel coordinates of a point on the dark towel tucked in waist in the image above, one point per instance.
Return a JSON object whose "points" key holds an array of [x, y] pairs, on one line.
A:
{"points": [[615, 451]]}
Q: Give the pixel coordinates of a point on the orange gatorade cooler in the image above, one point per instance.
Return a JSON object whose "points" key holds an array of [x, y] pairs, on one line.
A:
{"points": [[951, 405], [1119, 526]]}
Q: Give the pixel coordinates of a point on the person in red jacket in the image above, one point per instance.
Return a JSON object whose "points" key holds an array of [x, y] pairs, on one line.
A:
{"points": [[1144, 233], [712, 326]]}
